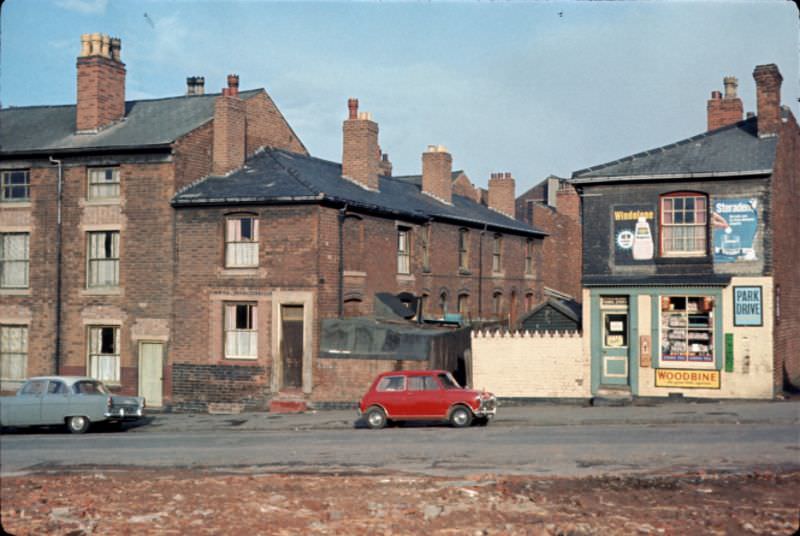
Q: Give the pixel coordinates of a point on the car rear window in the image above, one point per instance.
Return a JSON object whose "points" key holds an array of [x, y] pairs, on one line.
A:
{"points": [[392, 383], [89, 388]]}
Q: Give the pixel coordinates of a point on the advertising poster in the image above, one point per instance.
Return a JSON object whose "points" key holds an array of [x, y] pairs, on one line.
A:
{"points": [[634, 233], [747, 309], [735, 223]]}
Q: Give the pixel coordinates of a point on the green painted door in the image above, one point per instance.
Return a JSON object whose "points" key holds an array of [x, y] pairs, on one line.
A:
{"points": [[614, 340]]}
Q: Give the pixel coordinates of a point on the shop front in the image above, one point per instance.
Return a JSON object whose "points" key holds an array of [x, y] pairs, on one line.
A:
{"points": [[691, 341]]}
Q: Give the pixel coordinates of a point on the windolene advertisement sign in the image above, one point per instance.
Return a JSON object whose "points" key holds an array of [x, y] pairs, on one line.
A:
{"points": [[634, 233], [735, 223]]}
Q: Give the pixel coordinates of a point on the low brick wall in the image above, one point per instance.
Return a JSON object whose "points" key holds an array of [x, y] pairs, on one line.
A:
{"points": [[219, 388], [530, 364]]}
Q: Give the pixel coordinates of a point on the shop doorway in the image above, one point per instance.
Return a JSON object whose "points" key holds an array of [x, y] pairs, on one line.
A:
{"points": [[614, 340]]}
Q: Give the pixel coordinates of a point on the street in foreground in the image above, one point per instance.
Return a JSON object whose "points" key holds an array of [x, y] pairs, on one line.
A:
{"points": [[106, 501]]}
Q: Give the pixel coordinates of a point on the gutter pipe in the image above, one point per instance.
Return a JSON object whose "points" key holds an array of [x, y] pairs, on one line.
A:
{"points": [[59, 262]]}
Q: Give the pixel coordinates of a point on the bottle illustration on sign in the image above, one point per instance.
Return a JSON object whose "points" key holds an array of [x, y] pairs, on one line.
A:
{"points": [[642, 241]]}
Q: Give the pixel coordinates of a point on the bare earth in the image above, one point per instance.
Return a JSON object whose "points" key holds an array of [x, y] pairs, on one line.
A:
{"points": [[132, 501]]}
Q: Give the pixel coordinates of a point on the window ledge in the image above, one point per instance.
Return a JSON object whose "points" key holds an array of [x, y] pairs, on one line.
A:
{"points": [[15, 291], [498, 274], [354, 273], [242, 272], [405, 277], [15, 204], [530, 276], [110, 291], [464, 271], [240, 358], [102, 202]]}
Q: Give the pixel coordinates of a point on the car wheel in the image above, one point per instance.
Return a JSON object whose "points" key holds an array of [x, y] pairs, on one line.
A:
{"points": [[460, 417], [376, 418], [78, 424]]}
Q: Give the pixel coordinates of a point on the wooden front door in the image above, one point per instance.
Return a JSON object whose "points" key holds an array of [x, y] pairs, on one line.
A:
{"points": [[292, 345], [151, 369]]}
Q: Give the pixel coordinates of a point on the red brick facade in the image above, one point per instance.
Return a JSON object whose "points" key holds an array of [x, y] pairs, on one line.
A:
{"points": [[724, 111], [559, 258]]}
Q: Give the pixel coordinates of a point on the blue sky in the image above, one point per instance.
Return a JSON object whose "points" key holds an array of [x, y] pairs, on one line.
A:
{"points": [[533, 88]]}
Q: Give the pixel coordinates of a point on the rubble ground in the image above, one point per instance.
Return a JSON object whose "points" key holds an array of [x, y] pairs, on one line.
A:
{"points": [[145, 501]]}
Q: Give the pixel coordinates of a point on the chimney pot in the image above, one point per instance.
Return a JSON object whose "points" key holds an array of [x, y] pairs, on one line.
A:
{"points": [[731, 84], [716, 95], [105, 45], [352, 106], [751, 115], [86, 45]]}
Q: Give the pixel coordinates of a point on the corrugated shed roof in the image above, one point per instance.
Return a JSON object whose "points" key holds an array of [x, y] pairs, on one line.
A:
{"points": [[277, 176], [728, 151], [147, 123]]}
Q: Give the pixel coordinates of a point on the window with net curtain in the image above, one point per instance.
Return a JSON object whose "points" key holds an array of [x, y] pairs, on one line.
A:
{"points": [[103, 263], [103, 183], [13, 352], [497, 252], [14, 260], [241, 331], [684, 224], [241, 242], [463, 249], [403, 251], [104, 353]]}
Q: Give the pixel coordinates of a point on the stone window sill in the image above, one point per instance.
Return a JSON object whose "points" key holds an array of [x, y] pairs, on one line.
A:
{"points": [[15, 292], [242, 272], [115, 291], [405, 278], [15, 204]]}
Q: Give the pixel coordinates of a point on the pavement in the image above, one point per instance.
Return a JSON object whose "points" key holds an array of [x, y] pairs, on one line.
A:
{"points": [[539, 414]]}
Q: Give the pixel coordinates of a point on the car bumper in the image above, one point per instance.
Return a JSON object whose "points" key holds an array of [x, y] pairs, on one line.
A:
{"points": [[487, 408], [124, 414]]}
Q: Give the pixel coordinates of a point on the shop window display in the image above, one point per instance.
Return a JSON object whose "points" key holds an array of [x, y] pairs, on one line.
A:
{"points": [[687, 329]]}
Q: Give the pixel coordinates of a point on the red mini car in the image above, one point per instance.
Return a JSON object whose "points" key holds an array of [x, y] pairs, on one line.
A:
{"points": [[424, 395]]}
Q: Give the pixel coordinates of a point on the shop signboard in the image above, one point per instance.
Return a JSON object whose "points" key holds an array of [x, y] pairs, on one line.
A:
{"points": [[634, 234], [689, 379], [735, 224], [747, 306]]}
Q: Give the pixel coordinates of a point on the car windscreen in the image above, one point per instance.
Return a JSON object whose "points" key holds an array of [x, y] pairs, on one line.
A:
{"points": [[448, 382], [88, 387]]}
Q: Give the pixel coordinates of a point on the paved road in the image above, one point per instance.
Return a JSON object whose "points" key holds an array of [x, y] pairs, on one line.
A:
{"points": [[609, 440]]}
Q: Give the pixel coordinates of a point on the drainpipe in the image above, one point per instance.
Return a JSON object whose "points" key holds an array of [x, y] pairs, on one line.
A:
{"points": [[57, 357], [341, 218], [480, 272]]}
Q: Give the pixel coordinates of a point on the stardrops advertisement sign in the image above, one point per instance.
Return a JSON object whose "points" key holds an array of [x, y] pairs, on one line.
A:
{"points": [[634, 233], [735, 224]]}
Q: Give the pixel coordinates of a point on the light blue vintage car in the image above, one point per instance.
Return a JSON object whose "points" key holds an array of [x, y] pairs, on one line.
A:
{"points": [[73, 401]]}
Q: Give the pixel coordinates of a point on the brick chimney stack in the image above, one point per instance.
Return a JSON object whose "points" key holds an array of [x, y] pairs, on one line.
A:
{"points": [[101, 82], [229, 129], [768, 94], [360, 151], [195, 85], [727, 110], [437, 170], [501, 193]]}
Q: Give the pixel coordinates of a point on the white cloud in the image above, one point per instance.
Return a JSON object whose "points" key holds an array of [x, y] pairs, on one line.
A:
{"points": [[86, 7]]}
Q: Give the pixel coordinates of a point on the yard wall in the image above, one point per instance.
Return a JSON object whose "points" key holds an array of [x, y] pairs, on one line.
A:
{"points": [[530, 364]]}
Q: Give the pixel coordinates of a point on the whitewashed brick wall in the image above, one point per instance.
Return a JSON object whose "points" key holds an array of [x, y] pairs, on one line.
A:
{"points": [[530, 364]]}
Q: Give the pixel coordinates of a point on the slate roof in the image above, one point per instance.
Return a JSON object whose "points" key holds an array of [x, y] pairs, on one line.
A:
{"points": [[276, 176], [147, 123], [728, 151], [417, 179]]}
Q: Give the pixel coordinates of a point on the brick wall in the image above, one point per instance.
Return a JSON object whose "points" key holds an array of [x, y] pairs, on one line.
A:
{"points": [[786, 255], [223, 388], [530, 365], [229, 134], [559, 257], [101, 92], [346, 380], [266, 126]]}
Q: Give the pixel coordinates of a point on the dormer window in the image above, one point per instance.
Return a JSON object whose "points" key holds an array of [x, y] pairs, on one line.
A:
{"points": [[684, 225]]}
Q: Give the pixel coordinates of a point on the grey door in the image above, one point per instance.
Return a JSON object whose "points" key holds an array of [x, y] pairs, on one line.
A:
{"points": [[292, 345]]}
